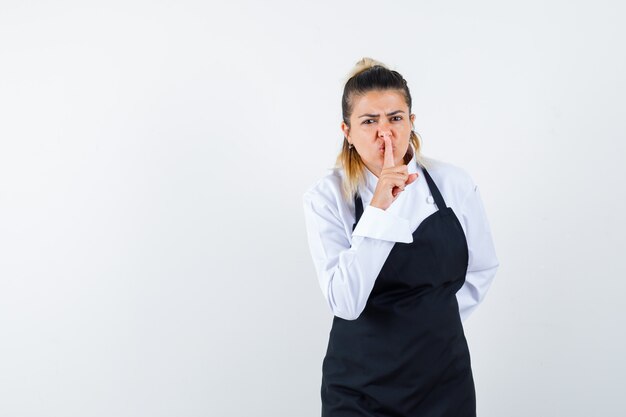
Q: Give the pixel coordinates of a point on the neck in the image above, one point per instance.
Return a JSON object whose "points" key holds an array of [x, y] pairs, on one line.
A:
{"points": [[374, 170]]}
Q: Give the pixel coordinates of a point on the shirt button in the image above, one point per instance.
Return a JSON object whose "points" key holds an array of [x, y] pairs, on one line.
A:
{"points": [[430, 199]]}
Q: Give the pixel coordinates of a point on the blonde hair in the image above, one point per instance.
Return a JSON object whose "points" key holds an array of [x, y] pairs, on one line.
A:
{"points": [[368, 75]]}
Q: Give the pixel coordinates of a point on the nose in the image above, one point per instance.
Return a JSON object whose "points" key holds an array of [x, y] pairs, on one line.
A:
{"points": [[384, 127], [384, 131]]}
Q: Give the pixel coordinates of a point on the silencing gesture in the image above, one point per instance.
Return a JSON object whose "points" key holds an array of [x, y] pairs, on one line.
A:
{"points": [[392, 179]]}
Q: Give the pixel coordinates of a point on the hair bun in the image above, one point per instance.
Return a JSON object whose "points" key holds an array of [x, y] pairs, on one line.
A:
{"points": [[363, 64]]}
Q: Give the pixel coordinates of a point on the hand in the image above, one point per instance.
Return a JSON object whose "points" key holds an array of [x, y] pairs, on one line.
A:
{"points": [[392, 179]]}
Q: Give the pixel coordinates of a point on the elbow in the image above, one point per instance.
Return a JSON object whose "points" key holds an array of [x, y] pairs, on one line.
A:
{"points": [[345, 292], [345, 305], [347, 314]]}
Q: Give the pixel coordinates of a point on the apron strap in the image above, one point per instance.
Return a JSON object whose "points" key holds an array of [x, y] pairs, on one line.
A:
{"points": [[358, 209]]}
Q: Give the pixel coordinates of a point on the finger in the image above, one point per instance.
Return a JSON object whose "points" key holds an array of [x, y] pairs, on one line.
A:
{"points": [[392, 180], [397, 190], [396, 169], [388, 161]]}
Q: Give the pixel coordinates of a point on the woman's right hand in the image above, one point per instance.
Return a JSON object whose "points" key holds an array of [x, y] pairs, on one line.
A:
{"points": [[392, 179]]}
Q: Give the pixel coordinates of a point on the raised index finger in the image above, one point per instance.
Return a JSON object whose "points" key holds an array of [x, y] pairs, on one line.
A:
{"points": [[388, 161]]}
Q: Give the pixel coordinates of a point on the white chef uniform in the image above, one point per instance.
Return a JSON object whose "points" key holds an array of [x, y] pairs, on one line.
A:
{"points": [[347, 263]]}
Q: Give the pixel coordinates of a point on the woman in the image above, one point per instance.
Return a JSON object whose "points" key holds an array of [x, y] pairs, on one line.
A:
{"points": [[403, 253]]}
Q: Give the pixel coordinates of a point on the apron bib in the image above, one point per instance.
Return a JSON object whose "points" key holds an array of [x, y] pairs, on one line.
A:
{"points": [[406, 355]]}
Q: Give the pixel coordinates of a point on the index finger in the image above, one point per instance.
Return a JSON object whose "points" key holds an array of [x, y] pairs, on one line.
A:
{"points": [[388, 161]]}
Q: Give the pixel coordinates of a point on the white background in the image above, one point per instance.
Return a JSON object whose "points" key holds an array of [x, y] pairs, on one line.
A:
{"points": [[153, 155]]}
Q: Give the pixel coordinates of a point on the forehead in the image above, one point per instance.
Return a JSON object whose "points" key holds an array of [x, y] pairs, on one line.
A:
{"points": [[374, 101]]}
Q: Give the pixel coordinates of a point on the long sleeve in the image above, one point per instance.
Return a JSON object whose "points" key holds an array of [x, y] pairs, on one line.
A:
{"points": [[348, 270], [382, 224], [483, 262]]}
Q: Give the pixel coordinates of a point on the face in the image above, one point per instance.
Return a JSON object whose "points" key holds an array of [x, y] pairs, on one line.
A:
{"points": [[373, 114]]}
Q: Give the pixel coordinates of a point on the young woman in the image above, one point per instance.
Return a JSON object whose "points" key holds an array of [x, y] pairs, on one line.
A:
{"points": [[403, 253]]}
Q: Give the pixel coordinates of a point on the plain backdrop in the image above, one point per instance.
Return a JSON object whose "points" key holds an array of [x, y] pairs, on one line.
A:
{"points": [[153, 157]]}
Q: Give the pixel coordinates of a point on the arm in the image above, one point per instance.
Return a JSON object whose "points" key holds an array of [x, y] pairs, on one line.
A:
{"points": [[347, 270], [483, 262]]}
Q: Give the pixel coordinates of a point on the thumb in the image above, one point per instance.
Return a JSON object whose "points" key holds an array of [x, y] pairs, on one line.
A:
{"points": [[412, 177]]}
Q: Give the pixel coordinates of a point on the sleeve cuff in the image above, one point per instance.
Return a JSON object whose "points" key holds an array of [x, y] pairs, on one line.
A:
{"points": [[377, 223]]}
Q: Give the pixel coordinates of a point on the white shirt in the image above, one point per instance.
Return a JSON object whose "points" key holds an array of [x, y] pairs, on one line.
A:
{"points": [[347, 263]]}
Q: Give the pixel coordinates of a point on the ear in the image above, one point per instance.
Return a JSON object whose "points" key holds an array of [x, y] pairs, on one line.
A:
{"points": [[412, 119], [345, 129]]}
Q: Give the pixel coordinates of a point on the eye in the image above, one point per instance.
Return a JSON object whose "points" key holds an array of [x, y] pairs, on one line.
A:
{"points": [[394, 117]]}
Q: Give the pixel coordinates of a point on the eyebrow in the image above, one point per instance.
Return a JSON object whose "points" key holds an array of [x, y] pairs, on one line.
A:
{"points": [[375, 115]]}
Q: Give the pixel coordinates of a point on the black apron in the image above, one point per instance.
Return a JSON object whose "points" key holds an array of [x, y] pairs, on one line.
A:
{"points": [[406, 354]]}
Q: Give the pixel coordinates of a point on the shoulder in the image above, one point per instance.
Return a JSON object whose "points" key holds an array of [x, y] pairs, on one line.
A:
{"points": [[326, 190], [453, 181]]}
